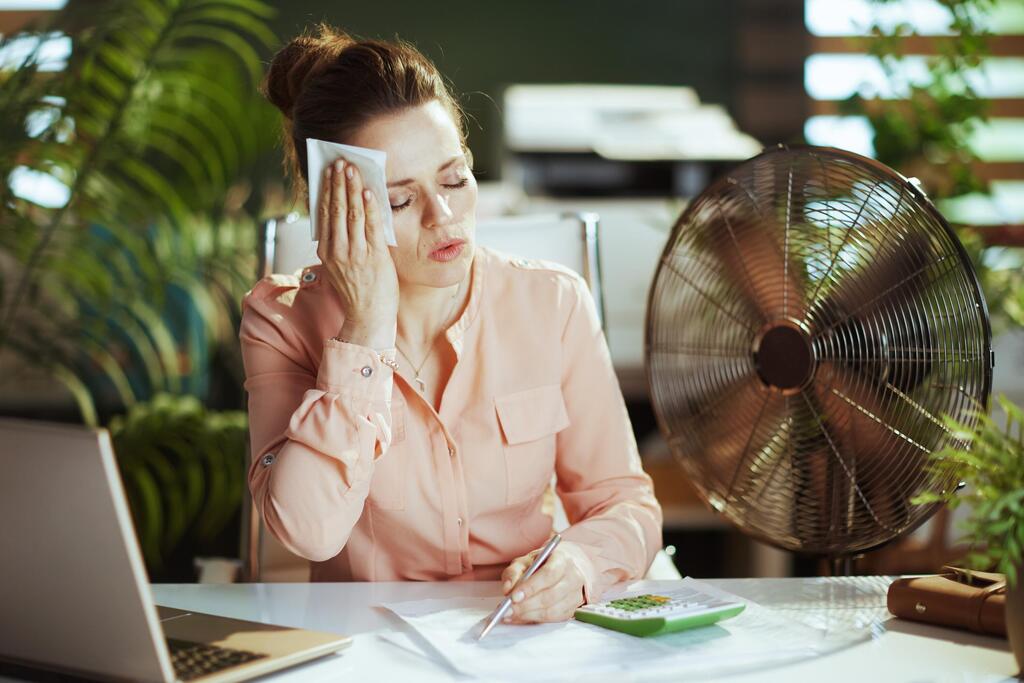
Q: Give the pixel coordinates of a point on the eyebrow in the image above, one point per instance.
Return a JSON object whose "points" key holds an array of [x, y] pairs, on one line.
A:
{"points": [[443, 166]]}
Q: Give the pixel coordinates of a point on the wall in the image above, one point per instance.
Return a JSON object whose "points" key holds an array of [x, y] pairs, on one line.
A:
{"points": [[481, 46]]}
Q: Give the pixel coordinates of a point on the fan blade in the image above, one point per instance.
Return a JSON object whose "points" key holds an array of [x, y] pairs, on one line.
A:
{"points": [[872, 453], [751, 254], [727, 441], [874, 315], [893, 276]]}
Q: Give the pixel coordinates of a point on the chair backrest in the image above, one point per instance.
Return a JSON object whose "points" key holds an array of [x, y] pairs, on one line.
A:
{"points": [[569, 239], [285, 245]]}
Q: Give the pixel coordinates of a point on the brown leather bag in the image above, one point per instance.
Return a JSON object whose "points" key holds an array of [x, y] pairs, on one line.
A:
{"points": [[961, 598]]}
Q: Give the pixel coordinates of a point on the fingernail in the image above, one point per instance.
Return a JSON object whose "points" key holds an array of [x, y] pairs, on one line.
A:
{"points": [[505, 587], [518, 597], [338, 165], [348, 171], [367, 194]]}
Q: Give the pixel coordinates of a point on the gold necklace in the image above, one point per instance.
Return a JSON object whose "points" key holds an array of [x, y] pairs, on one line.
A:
{"points": [[430, 352], [423, 386]]}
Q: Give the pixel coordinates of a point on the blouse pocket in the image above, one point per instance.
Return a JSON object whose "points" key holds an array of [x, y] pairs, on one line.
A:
{"points": [[529, 422], [387, 485]]}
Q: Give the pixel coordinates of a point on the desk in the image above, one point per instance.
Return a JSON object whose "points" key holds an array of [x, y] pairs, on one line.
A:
{"points": [[895, 651]]}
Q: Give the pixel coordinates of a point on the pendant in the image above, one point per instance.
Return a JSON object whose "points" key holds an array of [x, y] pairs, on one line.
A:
{"points": [[423, 386]]}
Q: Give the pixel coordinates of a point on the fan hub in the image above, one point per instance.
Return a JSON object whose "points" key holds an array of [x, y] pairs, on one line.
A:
{"points": [[783, 356]]}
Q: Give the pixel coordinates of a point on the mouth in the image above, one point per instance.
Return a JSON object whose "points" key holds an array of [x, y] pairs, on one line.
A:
{"points": [[447, 250]]}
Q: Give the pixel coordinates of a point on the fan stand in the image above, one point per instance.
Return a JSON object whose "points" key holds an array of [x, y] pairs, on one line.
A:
{"points": [[841, 565]]}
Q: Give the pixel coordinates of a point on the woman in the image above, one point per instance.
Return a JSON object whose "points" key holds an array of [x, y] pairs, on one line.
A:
{"points": [[410, 404]]}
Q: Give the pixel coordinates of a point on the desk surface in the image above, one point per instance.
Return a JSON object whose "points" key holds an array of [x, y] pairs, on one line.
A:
{"points": [[894, 650]]}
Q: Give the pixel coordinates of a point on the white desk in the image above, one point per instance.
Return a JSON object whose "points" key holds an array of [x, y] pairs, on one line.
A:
{"points": [[895, 651]]}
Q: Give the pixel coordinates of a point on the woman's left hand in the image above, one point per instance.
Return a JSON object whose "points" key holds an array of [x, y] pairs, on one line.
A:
{"points": [[552, 594]]}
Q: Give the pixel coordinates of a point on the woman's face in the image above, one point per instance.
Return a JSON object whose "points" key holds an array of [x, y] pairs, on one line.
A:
{"points": [[432, 193]]}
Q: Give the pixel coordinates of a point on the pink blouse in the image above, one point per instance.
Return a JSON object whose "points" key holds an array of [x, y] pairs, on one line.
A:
{"points": [[355, 471]]}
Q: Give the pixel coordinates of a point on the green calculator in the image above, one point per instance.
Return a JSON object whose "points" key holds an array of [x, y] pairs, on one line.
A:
{"points": [[652, 615]]}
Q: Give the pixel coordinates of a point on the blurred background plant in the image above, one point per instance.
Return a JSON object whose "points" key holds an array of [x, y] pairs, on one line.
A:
{"points": [[132, 186], [182, 467], [927, 133]]}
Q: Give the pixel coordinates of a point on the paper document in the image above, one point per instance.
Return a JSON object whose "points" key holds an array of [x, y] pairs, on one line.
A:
{"points": [[552, 651], [370, 162]]}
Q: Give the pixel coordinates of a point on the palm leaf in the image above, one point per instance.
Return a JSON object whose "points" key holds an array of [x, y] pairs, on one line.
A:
{"points": [[117, 83], [81, 393]]}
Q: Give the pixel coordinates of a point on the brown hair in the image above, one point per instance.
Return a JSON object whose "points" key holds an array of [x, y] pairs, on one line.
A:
{"points": [[328, 85]]}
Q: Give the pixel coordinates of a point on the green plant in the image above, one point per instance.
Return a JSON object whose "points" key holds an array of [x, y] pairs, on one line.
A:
{"points": [[989, 459], [148, 131], [925, 134], [924, 130], [183, 468], [126, 284]]}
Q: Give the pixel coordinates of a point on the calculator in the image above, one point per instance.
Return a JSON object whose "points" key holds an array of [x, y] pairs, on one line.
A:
{"points": [[652, 615]]}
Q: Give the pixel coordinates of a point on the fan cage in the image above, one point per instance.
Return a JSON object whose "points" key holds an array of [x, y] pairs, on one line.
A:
{"points": [[811, 320]]}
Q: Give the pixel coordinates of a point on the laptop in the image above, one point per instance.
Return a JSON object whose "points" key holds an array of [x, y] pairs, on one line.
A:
{"points": [[74, 595]]}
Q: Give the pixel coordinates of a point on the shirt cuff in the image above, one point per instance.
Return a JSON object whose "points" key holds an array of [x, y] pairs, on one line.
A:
{"points": [[355, 371]]}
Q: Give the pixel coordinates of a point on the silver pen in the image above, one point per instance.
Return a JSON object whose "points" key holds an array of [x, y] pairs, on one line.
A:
{"points": [[507, 602]]}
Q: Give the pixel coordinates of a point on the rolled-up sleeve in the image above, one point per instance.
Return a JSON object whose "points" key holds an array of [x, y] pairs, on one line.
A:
{"points": [[315, 432], [615, 520]]}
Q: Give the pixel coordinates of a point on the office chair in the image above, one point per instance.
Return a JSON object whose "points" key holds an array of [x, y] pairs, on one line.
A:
{"points": [[570, 239]]}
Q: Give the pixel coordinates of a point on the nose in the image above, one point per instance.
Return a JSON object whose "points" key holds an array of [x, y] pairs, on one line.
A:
{"points": [[438, 212]]}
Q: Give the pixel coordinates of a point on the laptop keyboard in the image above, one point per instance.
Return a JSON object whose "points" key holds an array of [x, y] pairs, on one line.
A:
{"points": [[192, 660]]}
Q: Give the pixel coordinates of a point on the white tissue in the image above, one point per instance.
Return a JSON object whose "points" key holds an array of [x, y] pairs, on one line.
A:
{"points": [[370, 163]]}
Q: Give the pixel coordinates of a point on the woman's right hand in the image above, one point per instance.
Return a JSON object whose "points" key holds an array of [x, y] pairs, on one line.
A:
{"points": [[355, 257]]}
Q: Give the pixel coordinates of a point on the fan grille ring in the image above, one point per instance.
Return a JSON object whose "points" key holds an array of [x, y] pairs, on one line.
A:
{"points": [[811, 320]]}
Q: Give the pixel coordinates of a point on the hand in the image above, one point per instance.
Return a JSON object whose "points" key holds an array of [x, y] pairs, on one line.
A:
{"points": [[552, 594], [355, 257]]}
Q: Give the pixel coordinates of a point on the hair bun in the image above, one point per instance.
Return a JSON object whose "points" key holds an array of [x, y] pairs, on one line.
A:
{"points": [[293, 64]]}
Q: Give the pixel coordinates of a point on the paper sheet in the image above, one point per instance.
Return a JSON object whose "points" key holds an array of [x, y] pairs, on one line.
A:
{"points": [[548, 651], [370, 162]]}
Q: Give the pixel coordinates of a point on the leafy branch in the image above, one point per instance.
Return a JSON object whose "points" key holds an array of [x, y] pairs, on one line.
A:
{"points": [[990, 460], [927, 134]]}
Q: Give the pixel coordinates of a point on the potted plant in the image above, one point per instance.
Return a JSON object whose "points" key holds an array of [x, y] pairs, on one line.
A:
{"points": [[988, 457]]}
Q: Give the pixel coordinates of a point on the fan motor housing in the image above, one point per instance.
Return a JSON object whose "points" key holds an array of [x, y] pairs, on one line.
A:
{"points": [[783, 356]]}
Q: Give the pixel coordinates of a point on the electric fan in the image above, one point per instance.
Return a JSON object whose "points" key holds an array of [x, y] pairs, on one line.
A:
{"points": [[811, 319]]}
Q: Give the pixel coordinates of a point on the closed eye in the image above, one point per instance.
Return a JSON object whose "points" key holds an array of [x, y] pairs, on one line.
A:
{"points": [[451, 186]]}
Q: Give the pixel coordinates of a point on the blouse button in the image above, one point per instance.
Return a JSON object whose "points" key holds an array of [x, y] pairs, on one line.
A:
{"points": [[459, 521], [366, 371], [308, 276], [451, 451], [268, 460]]}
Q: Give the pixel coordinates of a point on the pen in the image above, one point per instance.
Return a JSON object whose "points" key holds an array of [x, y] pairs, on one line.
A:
{"points": [[507, 602]]}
